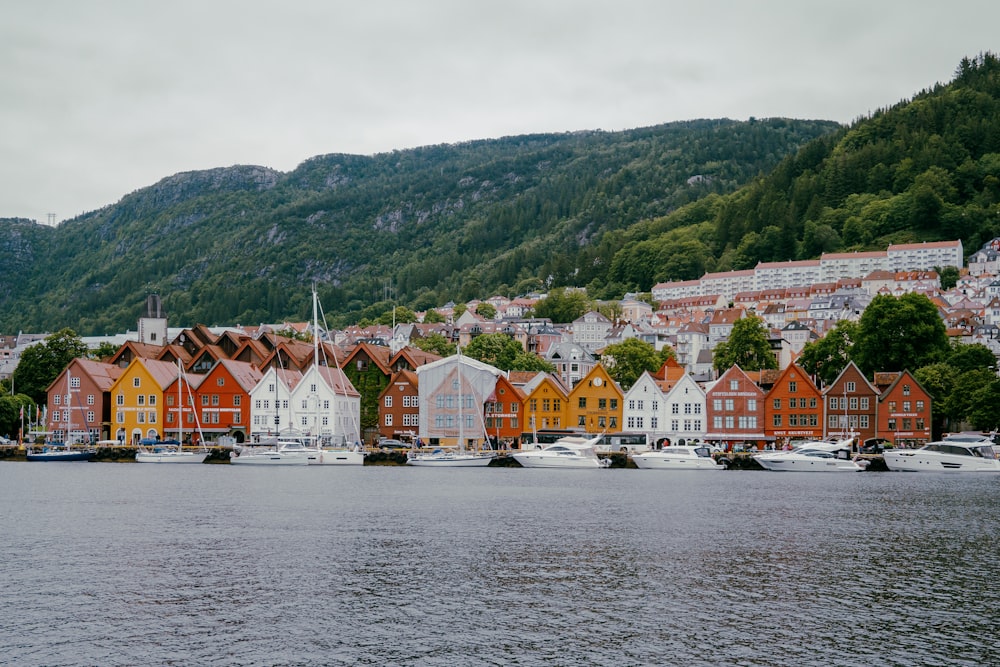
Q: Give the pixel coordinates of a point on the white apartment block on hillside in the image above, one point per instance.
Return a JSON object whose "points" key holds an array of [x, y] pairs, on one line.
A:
{"points": [[829, 268]]}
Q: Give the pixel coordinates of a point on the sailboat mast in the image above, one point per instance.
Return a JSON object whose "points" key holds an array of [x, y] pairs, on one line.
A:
{"points": [[461, 439], [180, 404]]}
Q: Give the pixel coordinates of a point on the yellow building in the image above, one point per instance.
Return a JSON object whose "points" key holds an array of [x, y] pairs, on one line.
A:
{"points": [[545, 404], [137, 400], [595, 403]]}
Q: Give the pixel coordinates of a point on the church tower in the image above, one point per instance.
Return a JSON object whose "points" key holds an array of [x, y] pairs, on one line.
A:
{"points": [[153, 323]]}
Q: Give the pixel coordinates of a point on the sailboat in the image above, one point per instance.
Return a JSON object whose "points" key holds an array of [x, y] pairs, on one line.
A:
{"points": [[281, 449], [463, 458], [332, 454], [172, 451], [62, 451]]}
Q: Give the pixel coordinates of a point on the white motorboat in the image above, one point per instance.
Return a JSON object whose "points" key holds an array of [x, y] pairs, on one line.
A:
{"points": [[678, 457], [339, 456], [172, 451], [813, 456], [957, 453], [568, 452], [443, 458], [282, 452], [168, 451]]}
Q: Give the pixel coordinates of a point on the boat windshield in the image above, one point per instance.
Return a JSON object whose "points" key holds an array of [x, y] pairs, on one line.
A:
{"points": [[703, 452]]}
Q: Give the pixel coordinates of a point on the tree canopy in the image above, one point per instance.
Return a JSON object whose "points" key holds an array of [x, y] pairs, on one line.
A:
{"points": [[747, 347], [628, 360], [42, 363], [896, 334]]}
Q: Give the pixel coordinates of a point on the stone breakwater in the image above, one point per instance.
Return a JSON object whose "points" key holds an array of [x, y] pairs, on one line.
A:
{"points": [[124, 454]]}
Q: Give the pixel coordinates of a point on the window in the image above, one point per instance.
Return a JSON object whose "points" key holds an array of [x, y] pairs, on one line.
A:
{"points": [[90, 399], [920, 406], [388, 419], [135, 382], [851, 387], [734, 385], [854, 402], [582, 403], [614, 405], [602, 404], [204, 399], [793, 420], [236, 400], [142, 399], [906, 389], [906, 406], [220, 382], [215, 399], [793, 387], [675, 409], [776, 420], [777, 406], [717, 404], [387, 401], [730, 405], [864, 402], [752, 405]]}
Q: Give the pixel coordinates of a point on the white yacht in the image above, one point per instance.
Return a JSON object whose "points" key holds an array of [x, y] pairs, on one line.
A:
{"points": [[568, 452], [956, 453], [168, 451], [809, 458], [282, 452], [444, 458], [678, 457]]}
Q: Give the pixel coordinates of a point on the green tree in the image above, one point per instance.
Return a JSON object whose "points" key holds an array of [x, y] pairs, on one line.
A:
{"points": [[747, 347], [103, 351], [398, 315], [42, 363], [435, 343], [629, 359], [939, 381], [526, 361], [949, 277], [562, 306], [967, 357], [984, 409], [899, 334], [10, 414], [497, 349], [486, 309], [971, 396], [433, 317], [825, 358]]}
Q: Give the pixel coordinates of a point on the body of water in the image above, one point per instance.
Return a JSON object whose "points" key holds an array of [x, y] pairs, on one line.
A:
{"points": [[121, 564]]}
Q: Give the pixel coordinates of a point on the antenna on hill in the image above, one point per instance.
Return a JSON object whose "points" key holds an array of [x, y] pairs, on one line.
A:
{"points": [[51, 217]]}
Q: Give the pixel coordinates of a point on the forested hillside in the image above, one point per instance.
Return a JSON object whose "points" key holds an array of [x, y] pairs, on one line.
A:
{"points": [[925, 169], [422, 226]]}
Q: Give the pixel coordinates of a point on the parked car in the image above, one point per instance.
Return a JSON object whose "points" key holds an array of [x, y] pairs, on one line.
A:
{"points": [[390, 444]]}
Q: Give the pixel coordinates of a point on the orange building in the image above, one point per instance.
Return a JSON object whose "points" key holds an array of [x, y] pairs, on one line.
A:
{"points": [[544, 404], [793, 408], [504, 412]]}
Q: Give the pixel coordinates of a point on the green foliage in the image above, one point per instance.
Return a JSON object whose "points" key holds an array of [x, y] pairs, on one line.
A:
{"points": [[397, 315], [10, 414], [435, 343], [487, 310], [825, 358], [42, 363], [899, 334], [435, 224], [747, 347], [497, 349], [563, 306], [949, 277], [629, 359], [433, 317]]}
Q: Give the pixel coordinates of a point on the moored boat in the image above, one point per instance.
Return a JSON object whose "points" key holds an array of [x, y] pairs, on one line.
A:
{"points": [[281, 452], [167, 451], [568, 452], [953, 454], [678, 457], [58, 451]]}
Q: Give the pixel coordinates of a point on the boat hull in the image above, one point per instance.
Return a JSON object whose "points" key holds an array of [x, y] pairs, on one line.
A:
{"points": [[61, 456], [817, 465], [450, 460], [338, 457], [171, 457], [532, 460], [269, 459], [917, 462], [658, 461]]}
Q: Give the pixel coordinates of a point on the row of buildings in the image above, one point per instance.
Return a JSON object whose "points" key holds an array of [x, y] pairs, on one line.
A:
{"points": [[198, 385]]}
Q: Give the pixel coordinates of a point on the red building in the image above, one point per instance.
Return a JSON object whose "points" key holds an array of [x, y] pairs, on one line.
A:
{"points": [[851, 405], [904, 412], [793, 408], [735, 408], [399, 407]]}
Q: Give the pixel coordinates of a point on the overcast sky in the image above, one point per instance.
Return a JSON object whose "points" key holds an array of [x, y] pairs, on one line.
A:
{"points": [[100, 98]]}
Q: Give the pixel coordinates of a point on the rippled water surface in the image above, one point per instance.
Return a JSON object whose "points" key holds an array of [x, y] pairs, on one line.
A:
{"points": [[123, 564]]}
